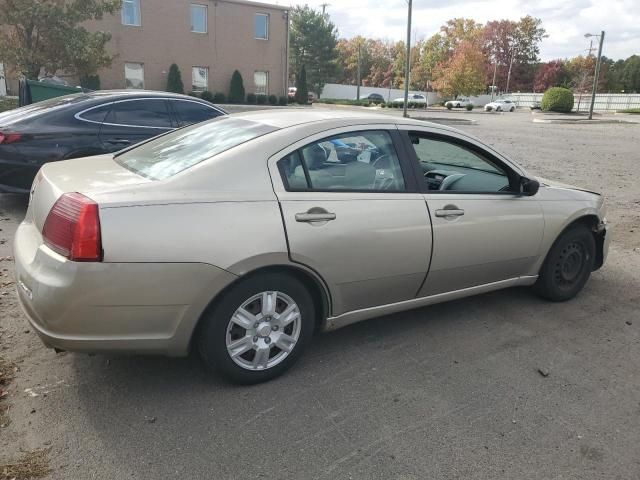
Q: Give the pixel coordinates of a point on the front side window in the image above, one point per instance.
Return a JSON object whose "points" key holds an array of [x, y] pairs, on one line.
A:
{"points": [[134, 75], [262, 26], [261, 81], [199, 18], [452, 167], [176, 151], [355, 161], [140, 113], [131, 12], [199, 79]]}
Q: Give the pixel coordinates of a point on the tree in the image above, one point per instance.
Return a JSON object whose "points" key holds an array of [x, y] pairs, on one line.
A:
{"points": [[631, 74], [236, 88], [302, 90], [46, 36], [174, 80], [464, 73], [508, 43], [312, 43], [551, 74]]}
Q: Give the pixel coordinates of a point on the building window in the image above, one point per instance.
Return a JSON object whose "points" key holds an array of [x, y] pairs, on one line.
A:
{"points": [[262, 26], [134, 75], [261, 82], [198, 18], [131, 12], [199, 79]]}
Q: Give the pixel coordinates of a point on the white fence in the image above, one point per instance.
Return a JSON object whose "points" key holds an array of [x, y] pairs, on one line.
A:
{"points": [[605, 102], [350, 92]]}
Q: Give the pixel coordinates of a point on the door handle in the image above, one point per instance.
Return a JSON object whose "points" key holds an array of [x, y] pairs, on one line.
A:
{"points": [[315, 214], [315, 217], [449, 212]]}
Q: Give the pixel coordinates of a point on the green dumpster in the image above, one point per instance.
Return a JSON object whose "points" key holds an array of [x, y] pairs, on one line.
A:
{"points": [[43, 91]]}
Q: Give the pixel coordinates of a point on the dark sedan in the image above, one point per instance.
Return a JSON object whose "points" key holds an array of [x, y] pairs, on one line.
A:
{"points": [[86, 124]]}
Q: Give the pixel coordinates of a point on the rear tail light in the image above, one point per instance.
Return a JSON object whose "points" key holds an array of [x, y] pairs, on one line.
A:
{"points": [[9, 138], [72, 228]]}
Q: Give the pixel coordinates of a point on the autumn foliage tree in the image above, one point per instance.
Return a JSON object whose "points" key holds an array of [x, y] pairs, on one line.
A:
{"points": [[47, 36], [463, 74]]}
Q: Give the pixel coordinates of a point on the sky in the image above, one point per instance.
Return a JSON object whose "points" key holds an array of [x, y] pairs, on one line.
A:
{"points": [[566, 21]]}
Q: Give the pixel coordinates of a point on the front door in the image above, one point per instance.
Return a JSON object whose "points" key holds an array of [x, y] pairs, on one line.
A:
{"points": [[353, 215], [484, 231]]}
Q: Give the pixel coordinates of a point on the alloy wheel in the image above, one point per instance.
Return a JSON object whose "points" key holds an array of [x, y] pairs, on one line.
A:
{"points": [[263, 331]]}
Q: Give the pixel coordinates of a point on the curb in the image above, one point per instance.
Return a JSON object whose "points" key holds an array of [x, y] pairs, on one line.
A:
{"points": [[582, 121]]}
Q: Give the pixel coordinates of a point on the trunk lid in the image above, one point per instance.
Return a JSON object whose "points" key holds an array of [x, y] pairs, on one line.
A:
{"points": [[89, 176]]}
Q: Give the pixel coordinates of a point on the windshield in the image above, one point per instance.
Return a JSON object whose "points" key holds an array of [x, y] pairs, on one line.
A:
{"points": [[174, 152]]}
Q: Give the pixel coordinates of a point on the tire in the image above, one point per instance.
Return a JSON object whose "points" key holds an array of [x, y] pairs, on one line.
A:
{"points": [[513, 109], [218, 333], [568, 265]]}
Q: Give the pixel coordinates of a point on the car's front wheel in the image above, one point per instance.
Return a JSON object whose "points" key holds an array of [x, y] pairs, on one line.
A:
{"points": [[568, 265], [258, 328]]}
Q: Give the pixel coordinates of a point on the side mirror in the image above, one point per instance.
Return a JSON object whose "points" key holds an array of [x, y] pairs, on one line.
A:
{"points": [[529, 186]]}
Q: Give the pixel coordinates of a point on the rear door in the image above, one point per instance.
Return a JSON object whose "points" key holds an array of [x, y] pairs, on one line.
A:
{"points": [[133, 120], [484, 230], [352, 213]]}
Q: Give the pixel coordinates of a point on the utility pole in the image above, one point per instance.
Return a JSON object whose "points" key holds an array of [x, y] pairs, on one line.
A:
{"points": [[513, 54], [493, 84], [407, 67], [358, 94], [597, 73]]}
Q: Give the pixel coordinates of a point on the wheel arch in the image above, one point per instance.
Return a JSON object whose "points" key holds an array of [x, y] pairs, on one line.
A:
{"points": [[311, 280], [591, 221]]}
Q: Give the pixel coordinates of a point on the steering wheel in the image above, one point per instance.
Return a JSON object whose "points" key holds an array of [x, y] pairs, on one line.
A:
{"points": [[384, 156], [450, 180]]}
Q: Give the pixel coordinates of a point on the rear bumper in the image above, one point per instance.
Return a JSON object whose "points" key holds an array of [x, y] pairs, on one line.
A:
{"points": [[111, 307]]}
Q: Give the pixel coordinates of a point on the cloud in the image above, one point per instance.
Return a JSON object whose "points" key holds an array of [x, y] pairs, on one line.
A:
{"points": [[566, 21]]}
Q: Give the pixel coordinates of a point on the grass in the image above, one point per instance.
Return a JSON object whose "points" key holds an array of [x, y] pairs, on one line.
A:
{"points": [[8, 103], [342, 101], [630, 110], [32, 465]]}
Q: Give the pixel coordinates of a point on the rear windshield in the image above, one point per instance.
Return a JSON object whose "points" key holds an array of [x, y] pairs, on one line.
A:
{"points": [[35, 109], [174, 152]]}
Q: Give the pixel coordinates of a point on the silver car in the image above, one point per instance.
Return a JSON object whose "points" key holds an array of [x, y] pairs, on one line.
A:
{"points": [[242, 236]]}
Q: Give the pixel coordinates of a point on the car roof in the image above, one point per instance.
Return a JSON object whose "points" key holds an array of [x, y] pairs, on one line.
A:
{"points": [[291, 117]]}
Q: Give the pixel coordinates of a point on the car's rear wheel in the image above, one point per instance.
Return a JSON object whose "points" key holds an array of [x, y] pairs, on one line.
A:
{"points": [[258, 329], [568, 265]]}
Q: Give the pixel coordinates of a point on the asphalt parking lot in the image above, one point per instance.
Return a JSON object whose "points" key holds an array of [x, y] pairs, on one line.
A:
{"points": [[500, 386]]}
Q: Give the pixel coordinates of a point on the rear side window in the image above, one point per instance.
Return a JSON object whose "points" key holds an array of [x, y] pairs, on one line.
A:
{"points": [[193, 112], [140, 113], [95, 114], [354, 161], [163, 157]]}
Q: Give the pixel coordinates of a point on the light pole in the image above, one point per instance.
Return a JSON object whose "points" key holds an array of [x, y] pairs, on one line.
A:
{"points": [[597, 73], [407, 66]]}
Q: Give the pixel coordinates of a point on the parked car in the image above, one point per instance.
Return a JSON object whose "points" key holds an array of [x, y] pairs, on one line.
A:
{"points": [[500, 106], [241, 236], [85, 124], [460, 102], [536, 106], [372, 98], [414, 98]]}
